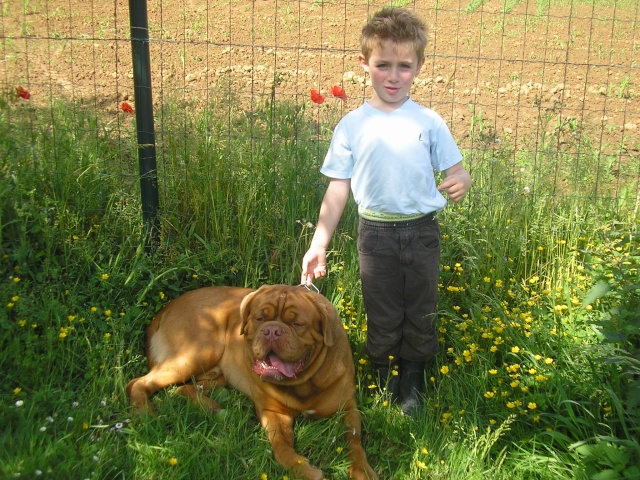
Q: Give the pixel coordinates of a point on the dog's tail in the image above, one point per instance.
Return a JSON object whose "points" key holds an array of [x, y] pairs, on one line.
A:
{"points": [[151, 331]]}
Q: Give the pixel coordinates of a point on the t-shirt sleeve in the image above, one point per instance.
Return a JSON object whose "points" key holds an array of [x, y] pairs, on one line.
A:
{"points": [[338, 163], [444, 150]]}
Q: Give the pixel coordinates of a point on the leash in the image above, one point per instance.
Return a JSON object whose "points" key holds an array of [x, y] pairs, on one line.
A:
{"points": [[310, 285]]}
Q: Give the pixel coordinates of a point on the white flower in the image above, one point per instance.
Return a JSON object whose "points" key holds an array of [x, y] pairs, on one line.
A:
{"points": [[74, 405], [43, 429], [50, 419], [19, 403], [38, 473], [69, 419]]}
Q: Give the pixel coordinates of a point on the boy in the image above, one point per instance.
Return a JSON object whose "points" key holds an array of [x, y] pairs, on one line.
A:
{"points": [[386, 152]]}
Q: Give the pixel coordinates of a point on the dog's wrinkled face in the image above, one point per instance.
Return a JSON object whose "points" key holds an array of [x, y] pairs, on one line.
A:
{"points": [[283, 327]]}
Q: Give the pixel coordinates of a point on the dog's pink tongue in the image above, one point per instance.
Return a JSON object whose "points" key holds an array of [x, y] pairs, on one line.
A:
{"points": [[284, 368]]}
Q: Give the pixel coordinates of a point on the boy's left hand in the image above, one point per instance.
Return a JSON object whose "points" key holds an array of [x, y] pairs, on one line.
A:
{"points": [[457, 182]]}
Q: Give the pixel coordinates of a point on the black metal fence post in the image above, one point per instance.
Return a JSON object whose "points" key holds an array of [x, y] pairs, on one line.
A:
{"points": [[144, 119]]}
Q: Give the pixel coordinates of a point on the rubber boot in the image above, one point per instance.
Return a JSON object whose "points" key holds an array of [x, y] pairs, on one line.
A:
{"points": [[411, 386], [389, 382]]}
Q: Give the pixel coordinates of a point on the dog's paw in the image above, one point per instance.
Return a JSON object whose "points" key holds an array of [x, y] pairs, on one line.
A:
{"points": [[362, 473], [306, 471]]}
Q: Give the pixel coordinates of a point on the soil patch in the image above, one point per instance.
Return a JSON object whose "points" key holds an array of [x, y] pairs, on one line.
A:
{"points": [[516, 74]]}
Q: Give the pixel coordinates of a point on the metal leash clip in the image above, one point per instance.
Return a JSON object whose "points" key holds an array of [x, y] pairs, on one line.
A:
{"points": [[309, 285]]}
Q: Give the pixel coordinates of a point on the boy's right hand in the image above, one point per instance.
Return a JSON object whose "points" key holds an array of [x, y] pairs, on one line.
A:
{"points": [[314, 265], [314, 262]]}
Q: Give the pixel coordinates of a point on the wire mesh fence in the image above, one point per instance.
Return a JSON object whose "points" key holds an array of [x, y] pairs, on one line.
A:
{"points": [[544, 92]]}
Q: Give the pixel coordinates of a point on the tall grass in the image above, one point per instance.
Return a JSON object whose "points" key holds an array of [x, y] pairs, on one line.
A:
{"points": [[538, 371]]}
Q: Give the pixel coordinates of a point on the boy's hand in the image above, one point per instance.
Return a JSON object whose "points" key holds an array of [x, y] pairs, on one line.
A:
{"points": [[456, 183], [314, 265], [314, 262]]}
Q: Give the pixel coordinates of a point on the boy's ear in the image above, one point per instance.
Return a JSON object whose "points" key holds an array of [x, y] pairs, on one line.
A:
{"points": [[364, 62]]}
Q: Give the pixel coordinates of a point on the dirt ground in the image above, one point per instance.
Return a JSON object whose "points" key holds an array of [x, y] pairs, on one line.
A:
{"points": [[514, 72]]}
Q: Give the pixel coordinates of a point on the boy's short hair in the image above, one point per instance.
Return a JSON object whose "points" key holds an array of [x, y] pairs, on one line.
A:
{"points": [[396, 24]]}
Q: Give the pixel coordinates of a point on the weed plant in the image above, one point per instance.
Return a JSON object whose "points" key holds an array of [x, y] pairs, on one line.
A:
{"points": [[538, 372]]}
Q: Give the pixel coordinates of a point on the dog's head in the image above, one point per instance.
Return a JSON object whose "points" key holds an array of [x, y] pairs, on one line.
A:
{"points": [[287, 329]]}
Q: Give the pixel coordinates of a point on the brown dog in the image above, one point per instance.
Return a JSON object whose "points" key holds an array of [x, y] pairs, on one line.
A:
{"points": [[284, 347]]}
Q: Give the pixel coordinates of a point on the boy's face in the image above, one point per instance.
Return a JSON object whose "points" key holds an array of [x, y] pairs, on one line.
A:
{"points": [[392, 68]]}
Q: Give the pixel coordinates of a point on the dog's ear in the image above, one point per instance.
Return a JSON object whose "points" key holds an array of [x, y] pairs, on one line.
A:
{"points": [[245, 308], [330, 320]]}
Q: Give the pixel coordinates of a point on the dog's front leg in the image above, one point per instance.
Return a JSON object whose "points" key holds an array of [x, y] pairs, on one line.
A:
{"points": [[360, 468], [279, 428]]}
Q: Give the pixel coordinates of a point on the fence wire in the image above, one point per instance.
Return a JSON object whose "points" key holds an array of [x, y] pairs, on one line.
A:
{"points": [[540, 87]]}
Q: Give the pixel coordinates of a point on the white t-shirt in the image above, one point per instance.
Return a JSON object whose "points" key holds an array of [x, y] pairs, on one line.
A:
{"points": [[391, 157]]}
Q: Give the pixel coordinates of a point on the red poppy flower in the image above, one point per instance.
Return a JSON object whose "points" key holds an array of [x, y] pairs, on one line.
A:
{"points": [[316, 97], [339, 92], [126, 108], [22, 93]]}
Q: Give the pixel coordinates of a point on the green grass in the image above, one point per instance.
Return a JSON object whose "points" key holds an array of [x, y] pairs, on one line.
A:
{"points": [[538, 372]]}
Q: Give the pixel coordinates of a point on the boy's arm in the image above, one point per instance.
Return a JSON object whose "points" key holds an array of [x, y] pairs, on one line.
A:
{"points": [[457, 182], [314, 262]]}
